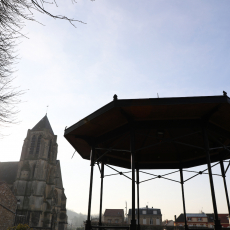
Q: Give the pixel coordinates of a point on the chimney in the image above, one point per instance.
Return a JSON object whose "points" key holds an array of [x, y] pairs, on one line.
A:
{"points": [[146, 206], [175, 218], [167, 221]]}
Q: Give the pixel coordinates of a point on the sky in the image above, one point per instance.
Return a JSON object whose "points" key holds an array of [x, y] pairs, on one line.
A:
{"points": [[133, 49]]}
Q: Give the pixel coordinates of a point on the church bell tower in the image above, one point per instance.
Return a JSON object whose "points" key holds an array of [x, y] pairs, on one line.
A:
{"points": [[39, 182]]}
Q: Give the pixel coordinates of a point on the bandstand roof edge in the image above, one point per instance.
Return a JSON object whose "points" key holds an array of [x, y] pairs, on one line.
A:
{"points": [[168, 131]]}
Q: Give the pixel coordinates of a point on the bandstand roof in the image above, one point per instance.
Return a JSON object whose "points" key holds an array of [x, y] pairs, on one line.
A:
{"points": [[168, 131]]}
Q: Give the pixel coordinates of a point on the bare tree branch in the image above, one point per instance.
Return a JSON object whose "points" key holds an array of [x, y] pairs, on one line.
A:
{"points": [[13, 14]]}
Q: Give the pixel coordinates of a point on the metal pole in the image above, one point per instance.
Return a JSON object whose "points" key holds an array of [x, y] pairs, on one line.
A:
{"points": [[138, 201], [101, 194], [182, 189], [88, 221], [206, 144], [132, 148], [225, 185]]}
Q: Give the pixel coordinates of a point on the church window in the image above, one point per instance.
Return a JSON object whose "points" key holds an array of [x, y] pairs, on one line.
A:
{"points": [[50, 147], [55, 197], [32, 145], [38, 145]]}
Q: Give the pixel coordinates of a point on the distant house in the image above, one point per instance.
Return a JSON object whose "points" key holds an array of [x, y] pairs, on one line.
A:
{"points": [[8, 205], [202, 220], [113, 216], [224, 219], [210, 220], [148, 216], [194, 220], [167, 223]]}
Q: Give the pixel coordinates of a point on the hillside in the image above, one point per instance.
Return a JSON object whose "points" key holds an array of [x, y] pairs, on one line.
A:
{"points": [[76, 218]]}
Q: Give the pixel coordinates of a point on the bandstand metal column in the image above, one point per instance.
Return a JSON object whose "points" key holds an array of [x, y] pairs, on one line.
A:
{"points": [[138, 200], [225, 185], [206, 145], [182, 190], [132, 148], [101, 194], [88, 221]]}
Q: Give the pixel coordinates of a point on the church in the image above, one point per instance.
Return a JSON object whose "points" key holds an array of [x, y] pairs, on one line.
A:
{"points": [[36, 179]]}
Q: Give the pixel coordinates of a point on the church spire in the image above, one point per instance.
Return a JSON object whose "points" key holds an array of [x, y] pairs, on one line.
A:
{"points": [[43, 124]]}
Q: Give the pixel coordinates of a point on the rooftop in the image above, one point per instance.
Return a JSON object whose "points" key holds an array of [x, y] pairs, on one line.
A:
{"points": [[149, 211], [169, 127], [43, 124], [114, 212], [196, 215]]}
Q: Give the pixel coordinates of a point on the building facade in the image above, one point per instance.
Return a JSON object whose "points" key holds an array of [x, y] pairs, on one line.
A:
{"points": [[8, 205], [148, 216], [113, 216], [36, 179], [193, 220], [223, 217], [202, 220], [167, 223]]}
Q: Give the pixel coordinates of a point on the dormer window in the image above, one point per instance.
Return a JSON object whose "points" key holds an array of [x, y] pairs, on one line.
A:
{"points": [[32, 145], [144, 212], [38, 145], [154, 212]]}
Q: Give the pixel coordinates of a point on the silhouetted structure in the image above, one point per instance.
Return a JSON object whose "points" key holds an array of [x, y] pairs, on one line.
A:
{"points": [[36, 179], [147, 216], [158, 133], [113, 216]]}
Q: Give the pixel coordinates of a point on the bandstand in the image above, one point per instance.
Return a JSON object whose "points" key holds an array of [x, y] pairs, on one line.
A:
{"points": [[155, 133]]}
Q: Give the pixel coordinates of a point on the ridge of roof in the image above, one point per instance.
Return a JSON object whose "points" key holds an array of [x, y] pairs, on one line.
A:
{"points": [[196, 215], [43, 124]]}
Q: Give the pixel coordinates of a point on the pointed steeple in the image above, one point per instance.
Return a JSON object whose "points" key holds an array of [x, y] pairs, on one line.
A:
{"points": [[43, 124]]}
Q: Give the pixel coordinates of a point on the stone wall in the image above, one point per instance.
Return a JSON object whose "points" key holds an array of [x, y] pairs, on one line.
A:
{"points": [[8, 205]]}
